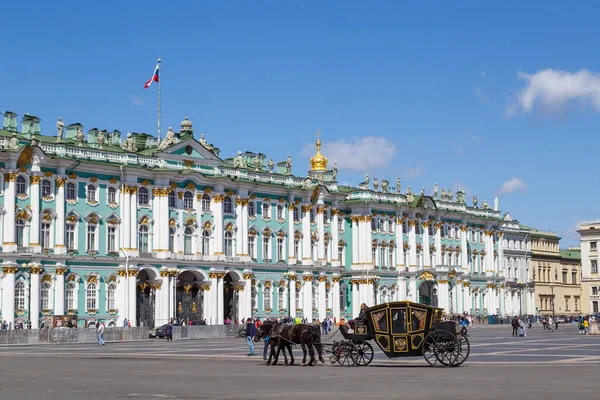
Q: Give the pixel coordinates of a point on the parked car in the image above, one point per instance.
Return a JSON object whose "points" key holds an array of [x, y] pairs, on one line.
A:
{"points": [[161, 332]]}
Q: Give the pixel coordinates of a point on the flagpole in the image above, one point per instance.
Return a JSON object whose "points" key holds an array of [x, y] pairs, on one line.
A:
{"points": [[158, 94]]}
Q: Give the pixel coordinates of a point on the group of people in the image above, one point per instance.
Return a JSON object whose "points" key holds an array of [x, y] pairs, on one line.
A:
{"points": [[519, 327], [588, 325]]}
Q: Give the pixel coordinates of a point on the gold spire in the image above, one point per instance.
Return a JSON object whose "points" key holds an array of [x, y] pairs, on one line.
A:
{"points": [[318, 162]]}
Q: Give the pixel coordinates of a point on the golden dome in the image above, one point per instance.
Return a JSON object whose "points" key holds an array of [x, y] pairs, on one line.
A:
{"points": [[318, 162]]}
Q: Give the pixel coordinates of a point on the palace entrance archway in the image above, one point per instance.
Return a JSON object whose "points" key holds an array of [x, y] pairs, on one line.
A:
{"points": [[145, 299], [231, 297], [190, 298], [428, 293]]}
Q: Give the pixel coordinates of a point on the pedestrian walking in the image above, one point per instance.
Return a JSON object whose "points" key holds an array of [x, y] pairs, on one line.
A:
{"points": [[169, 332], [250, 333], [267, 339], [550, 322], [515, 324], [100, 327]]}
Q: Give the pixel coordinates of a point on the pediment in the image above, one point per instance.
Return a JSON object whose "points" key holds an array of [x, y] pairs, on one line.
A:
{"points": [[190, 149]]}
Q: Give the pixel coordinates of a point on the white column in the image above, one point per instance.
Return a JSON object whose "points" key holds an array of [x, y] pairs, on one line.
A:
{"points": [[213, 297], [292, 291], [369, 293], [34, 296], [366, 241], [426, 252], [125, 226], [164, 218], [355, 298], [414, 294], [34, 232], [335, 238], [59, 241], [59, 291], [501, 257], [402, 288], [355, 240], [132, 281], [239, 223], [8, 295], [412, 242], [220, 307], [306, 259], [208, 302], [10, 244], [400, 247], [443, 295], [438, 243], [322, 298], [217, 208], [133, 238], [464, 256], [307, 309], [158, 226], [245, 229], [321, 228], [335, 292], [121, 296], [247, 294]]}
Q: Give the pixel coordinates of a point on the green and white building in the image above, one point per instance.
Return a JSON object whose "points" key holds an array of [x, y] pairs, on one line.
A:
{"points": [[108, 228]]}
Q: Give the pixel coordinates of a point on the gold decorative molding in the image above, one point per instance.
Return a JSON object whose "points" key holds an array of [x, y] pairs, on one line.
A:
{"points": [[10, 176], [218, 198], [308, 278], [10, 270], [60, 271]]}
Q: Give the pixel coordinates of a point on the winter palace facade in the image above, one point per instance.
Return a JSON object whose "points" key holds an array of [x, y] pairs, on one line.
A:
{"points": [[106, 228]]}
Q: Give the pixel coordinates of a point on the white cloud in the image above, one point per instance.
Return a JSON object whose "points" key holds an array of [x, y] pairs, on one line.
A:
{"points": [[480, 94], [460, 150], [571, 231], [552, 90], [511, 186], [136, 101], [415, 171], [359, 154], [482, 73]]}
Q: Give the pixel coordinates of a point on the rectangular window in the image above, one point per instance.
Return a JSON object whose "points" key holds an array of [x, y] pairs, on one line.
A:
{"points": [[110, 298], [251, 247], [70, 236], [576, 304], [296, 248], [266, 253], [91, 237], [111, 239], [564, 277], [595, 307], [45, 235], [280, 249], [574, 277], [594, 291], [296, 214], [594, 266], [593, 246]]}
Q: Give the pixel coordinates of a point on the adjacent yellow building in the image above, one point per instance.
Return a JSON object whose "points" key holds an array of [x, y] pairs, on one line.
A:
{"points": [[556, 275]]}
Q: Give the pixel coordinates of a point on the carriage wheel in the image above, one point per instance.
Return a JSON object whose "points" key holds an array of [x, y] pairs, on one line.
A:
{"points": [[463, 349], [447, 349], [364, 353], [346, 354], [333, 358], [429, 345]]}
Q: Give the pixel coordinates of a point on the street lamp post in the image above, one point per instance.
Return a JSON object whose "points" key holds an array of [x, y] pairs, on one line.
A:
{"points": [[552, 289]]}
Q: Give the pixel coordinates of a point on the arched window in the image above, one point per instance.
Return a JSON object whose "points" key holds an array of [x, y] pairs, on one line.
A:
{"points": [[188, 200], [143, 198], [21, 185], [326, 219], [374, 224], [110, 296], [206, 242], [266, 247], [266, 298], [251, 209], [172, 199], [45, 242], [46, 188], [70, 191], [280, 214], [91, 296], [70, 235], [312, 215], [91, 237], [340, 222], [228, 245], [91, 194], [227, 205], [252, 245], [266, 210], [280, 248], [391, 256], [44, 296], [171, 239], [382, 226], [340, 254], [143, 239], [297, 247], [20, 295], [112, 195], [382, 258], [296, 214], [70, 296], [20, 225], [313, 246], [281, 298], [111, 238], [187, 240], [205, 203], [374, 254]]}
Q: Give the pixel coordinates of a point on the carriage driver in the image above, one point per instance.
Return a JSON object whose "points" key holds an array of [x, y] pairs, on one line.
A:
{"points": [[361, 319]]}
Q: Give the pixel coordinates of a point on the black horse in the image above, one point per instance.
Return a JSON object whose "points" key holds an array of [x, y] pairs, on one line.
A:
{"points": [[266, 329], [307, 336]]}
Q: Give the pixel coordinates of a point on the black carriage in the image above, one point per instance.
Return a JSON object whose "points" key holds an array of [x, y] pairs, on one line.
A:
{"points": [[402, 329]]}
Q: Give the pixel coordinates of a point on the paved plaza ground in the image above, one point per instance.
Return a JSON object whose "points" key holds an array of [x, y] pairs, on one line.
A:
{"points": [[545, 365]]}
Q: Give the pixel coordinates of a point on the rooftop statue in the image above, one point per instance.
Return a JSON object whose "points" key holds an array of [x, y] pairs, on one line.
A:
{"points": [[204, 143], [398, 185], [460, 196], [129, 143], [60, 125], [485, 205], [367, 179], [335, 171], [307, 183], [168, 140], [423, 192], [100, 138], [13, 143], [443, 194], [384, 185], [375, 183], [288, 165], [408, 191], [256, 163], [450, 195], [79, 136], [271, 164], [475, 201], [239, 161], [436, 191]]}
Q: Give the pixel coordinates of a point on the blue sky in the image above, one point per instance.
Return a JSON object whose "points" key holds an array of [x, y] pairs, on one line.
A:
{"points": [[503, 99]]}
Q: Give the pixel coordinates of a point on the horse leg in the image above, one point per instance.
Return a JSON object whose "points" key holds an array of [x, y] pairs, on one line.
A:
{"points": [[285, 360], [303, 345], [319, 347], [277, 353], [271, 352], [311, 351], [289, 347]]}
